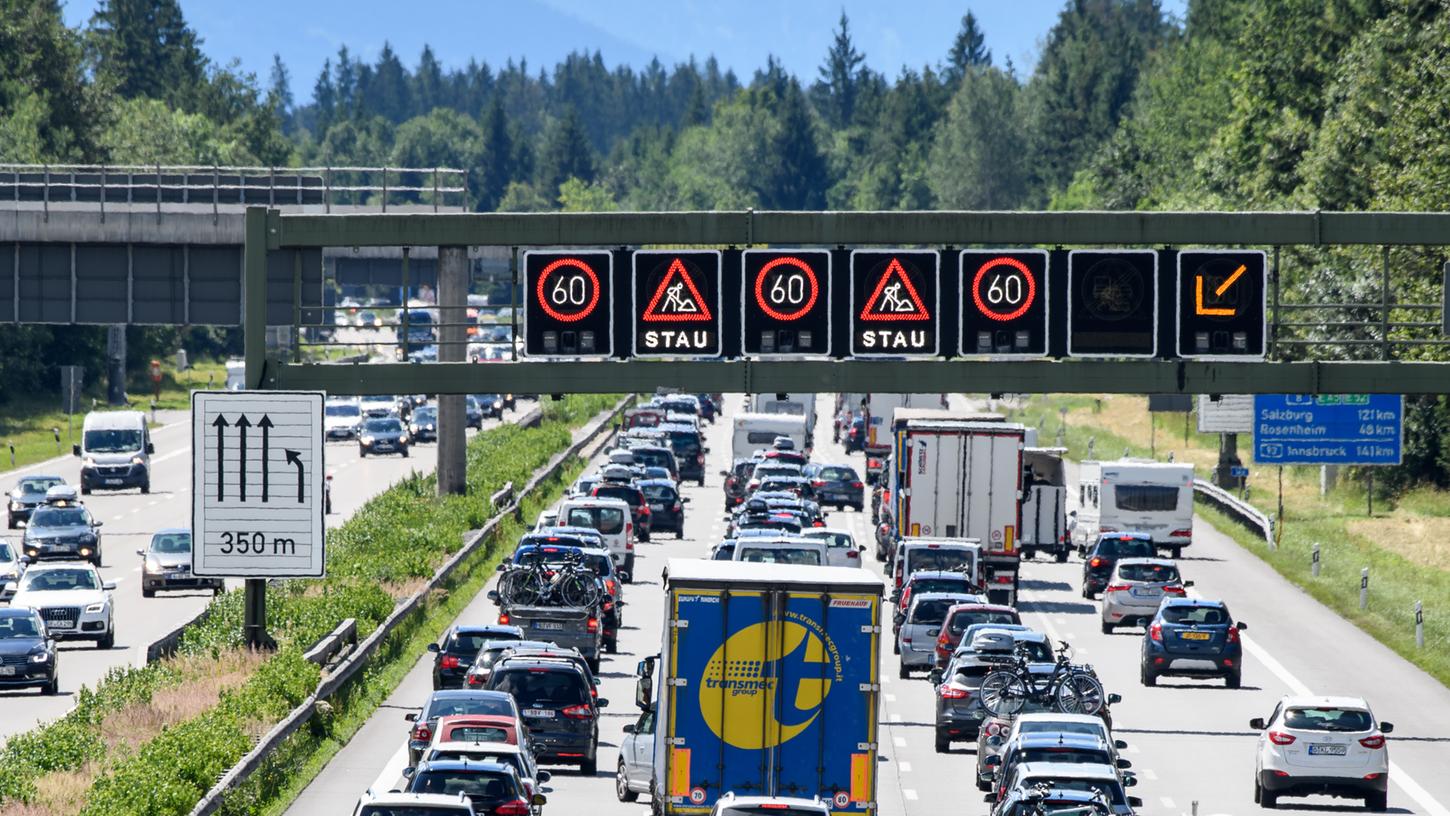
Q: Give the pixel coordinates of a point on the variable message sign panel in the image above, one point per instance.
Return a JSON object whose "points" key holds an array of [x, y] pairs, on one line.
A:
{"points": [[895, 299], [568, 303], [786, 303], [1112, 308], [1222, 310], [676, 303], [1004, 302]]}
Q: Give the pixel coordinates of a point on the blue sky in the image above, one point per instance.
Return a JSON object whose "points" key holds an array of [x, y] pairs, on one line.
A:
{"points": [[740, 33]]}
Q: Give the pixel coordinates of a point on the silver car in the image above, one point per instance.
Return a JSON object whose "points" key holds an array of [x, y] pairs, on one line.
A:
{"points": [[1135, 589], [166, 564], [916, 641]]}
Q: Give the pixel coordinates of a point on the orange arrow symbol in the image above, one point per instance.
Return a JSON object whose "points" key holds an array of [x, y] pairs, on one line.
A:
{"points": [[1223, 287], [1199, 308]]}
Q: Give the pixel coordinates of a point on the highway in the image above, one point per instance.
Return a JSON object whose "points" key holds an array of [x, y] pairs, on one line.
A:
{"points": [[129, 520], [1189, 740]]}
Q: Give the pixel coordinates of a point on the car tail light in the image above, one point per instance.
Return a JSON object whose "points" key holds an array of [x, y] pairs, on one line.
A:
{"points": [[1174, 590], [593, 625], [503, 619], [1181, 534], [1118, 588], [774, 806], [448, 662], [629, 545], [1005, 577], [818, 523], [1233, 634], [1280, 738], [475, 680], [1107, 528], [1155, 631], [905, 598], [1228, 661], [578, 712], [678, 507], [857, 485], [422, 733], [944, 643], [628, 527], [818, 482], [953, 693], [699, 458], [995, 729], [517, 807], [1095, 562], [1281, 773], [610, 586], [852, 554], [1373, 776], [1376, 741]]}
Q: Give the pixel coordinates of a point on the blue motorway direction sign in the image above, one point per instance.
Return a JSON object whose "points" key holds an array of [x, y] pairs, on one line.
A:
{"points": [[1330, 429]]}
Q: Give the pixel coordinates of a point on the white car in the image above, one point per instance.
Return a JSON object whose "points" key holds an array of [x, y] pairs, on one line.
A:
{"points": [[732, 805], [415, 804], [341, 418], [72, 600], [1322, 745], [379, 406], [841, 547], [635, 772], [611, 518]]}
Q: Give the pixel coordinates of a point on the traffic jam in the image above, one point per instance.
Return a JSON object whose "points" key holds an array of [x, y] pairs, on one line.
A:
{"points": [[746, 670]]}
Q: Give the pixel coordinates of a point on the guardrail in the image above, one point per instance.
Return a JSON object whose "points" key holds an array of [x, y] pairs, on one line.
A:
{"points": [[365, 650], [165, 646], [329, 647], [1246, 513]]}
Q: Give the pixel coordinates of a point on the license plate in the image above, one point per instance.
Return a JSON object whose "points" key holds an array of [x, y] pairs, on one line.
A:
{"points": [[7, 671], [543, 713], [60, 624], [552, 625], [113, 481], [1327, 750], [1195, 635], [1146, 592], [654, 506]]}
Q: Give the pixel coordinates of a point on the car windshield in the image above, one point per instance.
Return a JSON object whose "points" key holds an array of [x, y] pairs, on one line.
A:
{"points": [[408, 810], [346, 409], [1148, 573], [1056, 727], [59, 517], [838, 474], [663, 493], [38, 486], [780, 555], [931, 612], [1126, 548], [924, 559], [486, 788], [1075, 756], [554, 557], [1111, 790], [629, 494], [171, 543], [1054, 809], [114, 440], [57, 580], [383, 426], [16, 627], [484, 705], [659, 458], [833, 539], [543, 689], [474, 733], [1191, 615], [1328, 719], [1145, 498], [428, 414], [477, 756], [940, 585], [961, 620], [607, 520], [768, 810], [468, 643]]}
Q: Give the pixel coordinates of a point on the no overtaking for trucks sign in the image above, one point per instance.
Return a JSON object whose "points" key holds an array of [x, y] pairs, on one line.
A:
{"points": [[257, 484]]}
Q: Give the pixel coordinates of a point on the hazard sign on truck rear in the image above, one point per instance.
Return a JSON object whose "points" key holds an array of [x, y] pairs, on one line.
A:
{"points": [[676, 303], [894, 303]]}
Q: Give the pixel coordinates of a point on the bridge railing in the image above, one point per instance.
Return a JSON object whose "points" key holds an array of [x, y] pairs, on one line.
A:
{"points": [[312, 188]]}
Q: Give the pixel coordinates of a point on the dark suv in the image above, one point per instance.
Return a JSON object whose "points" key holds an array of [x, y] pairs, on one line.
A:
{"points": [[1190, 637], [666, 506], [689, 451], [1097, 566], [459, 647], [837, 485], [656, 456], [557, 706]]}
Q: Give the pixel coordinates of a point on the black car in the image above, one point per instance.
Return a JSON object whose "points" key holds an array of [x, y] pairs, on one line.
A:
{"points": [[1191, 637], [689, 451], [492, 405], [737, 478], [492, 788], [28, 494], [666, 506], [490, 655], [382, 435], [473, 411], [1097, 566], [558, 708], [855, 437], [66, 532], [27, 655], [708, 409], [837, 485], [657, 456], [423, 424], [456, 651]]}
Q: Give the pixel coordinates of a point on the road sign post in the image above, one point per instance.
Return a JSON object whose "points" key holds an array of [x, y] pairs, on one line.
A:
{"points": [[257, 491]]}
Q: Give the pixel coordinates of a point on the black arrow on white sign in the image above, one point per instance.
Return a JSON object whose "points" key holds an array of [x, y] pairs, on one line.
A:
{"points": [[242, 423], [266, 426], [295, 458], [221, 425]]}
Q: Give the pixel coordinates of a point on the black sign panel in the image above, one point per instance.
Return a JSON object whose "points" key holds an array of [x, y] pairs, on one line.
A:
{"points": [[1221, 304], [1004, 302], [895, 299], [1112, 308], [568, 307], [786, 303], [676, 303]]}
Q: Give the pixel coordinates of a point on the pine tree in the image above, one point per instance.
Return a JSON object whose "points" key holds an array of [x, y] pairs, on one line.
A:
{"points": [[279, 91], [566, 155], [427, 83], [386, 93], [143, 48], [324, 98], [968, 51], [840, 78], [497, 162]]}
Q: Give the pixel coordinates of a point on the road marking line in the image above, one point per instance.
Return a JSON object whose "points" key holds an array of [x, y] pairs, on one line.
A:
{"points": [[1147, 773], [1167, 803], [909, 793], [899, 742], [1132, 748], [1406, 782], [905, 766], [890, 698], [896, 718]]}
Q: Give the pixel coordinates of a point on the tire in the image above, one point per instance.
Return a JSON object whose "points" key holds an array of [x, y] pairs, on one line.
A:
{"points": [[1233, 681], [1268, 799], [1377, 801], [1080, 693], [621, 787], [1060, 556], [895, 647], [983, 786], [405, 453], [1148, 677], [85, 489], [629, 569], [1258, 792], [680, 533], [590, 765], [1107, 628], [109, 640], [1003, 694], [362, 453], [1086, 593], [644, 537], [10, 522], [943, 745], [1177, 552], [148, 593], [593, 664], [146, 487], [53, 687], [903, 672], [611, 646]]}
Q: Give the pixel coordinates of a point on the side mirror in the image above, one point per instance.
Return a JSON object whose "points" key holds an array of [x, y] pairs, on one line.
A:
{"points": [[685, 500], [1135, 801], [108, 585], [1386, 728], [434, 648], [11, 586], [1120, 744], [411, 716], [1114, 699], [1130, 781], [629, 728], [503, 566], [150, 448], [1187, 584], [141, 553], [1257, 724], [493, 595], [1241, 626], [1125, 764], [408, 772], [994, 761], [544, 776], [725, 473], [602, 703], [75, 450], [539, 799], [98, 524]]}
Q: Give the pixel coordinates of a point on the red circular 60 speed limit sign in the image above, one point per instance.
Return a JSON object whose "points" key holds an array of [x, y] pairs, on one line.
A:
{"points": [[572, 293], [792, 289], [1008, 293]]}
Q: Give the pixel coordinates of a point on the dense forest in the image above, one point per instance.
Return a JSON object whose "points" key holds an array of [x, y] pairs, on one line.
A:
{"points": [[1302, 104]]}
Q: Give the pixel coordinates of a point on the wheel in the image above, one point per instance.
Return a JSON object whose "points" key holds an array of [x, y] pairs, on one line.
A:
{"points": [[10, 522], [644, 537], [983, 785], [1107, 628], [629, 569], [1080, 693], [109, 640], [1268, 799], [362, 453], [327, 505], [148, 593], [215, 591], [1060, 557], [1086, 593], [903, 672], [701, 482], [1258, 792], [680, 533], [590, 765], [520, 588], [1177, 552], [593, 664], [621, 785], [611, 646], [943, 745], [53, 687], [895, 647], [1377, 801], [1003, 694], [85, 489], [1030, 555], [1234, 680], [405, 453], [146, 487], [1148, 677]]}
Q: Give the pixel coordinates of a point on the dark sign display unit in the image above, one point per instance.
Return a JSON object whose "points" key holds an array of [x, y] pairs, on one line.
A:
{"points": [[568, 303], [676, 303], [1222, 297], [1112, 308], [1004, 302], [786, 303], [895, 300]]}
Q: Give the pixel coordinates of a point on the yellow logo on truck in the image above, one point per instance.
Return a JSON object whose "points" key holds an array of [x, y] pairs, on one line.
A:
{"points": [[767, 682]]}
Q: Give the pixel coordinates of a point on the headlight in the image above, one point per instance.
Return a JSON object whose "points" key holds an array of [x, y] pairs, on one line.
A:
{"points": [[40, 657], [367, 440], [403, 438], [85, 551], [429, 426], [152, 565], [96, 607], [136, 460], [498, 403], [89, 461]]}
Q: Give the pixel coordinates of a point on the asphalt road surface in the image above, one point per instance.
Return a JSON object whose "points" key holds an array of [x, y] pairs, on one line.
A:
{"points": [[1189, 740], [130, 519]]}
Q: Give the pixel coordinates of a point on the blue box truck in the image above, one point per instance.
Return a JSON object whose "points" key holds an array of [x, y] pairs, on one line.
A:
{"points": [[768, 685]]}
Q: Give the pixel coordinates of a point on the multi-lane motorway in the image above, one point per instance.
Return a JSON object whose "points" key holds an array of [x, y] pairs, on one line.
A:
{"points": [[1189, 741], [130, 518]]}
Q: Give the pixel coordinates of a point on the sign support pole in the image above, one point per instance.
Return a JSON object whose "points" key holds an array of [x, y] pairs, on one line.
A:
{"points": [[254, 343]]}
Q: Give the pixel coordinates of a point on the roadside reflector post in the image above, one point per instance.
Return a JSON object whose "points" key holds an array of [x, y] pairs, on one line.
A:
{"points": [[1364, 588], [1092, 443], [1419, 624], [1195, 807], [1314, 561]]}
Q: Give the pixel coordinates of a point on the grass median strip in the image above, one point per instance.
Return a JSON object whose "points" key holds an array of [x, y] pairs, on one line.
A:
{"points": [[1403, 544], [400, 536]]}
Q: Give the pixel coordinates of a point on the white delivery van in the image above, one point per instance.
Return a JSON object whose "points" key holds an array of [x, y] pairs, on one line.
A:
{"points": [[115, 451], [751, 432], [946, 554], [1044, 503], [236, 375], [611, 518], [1136, 496], [802, 405], [879, 410]]}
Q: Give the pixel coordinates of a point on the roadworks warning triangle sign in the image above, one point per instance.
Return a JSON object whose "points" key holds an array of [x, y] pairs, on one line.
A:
{"points": [[677, 299], [895, 297]]}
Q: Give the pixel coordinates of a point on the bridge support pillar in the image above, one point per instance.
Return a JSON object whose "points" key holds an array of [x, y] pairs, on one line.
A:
{"points": [[452, 348], [1228, 459]]}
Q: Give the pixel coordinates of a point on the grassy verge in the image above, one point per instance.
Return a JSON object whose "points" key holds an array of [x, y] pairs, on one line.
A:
{"points": [[380, 555], [1405, 545], [29, 424]]}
